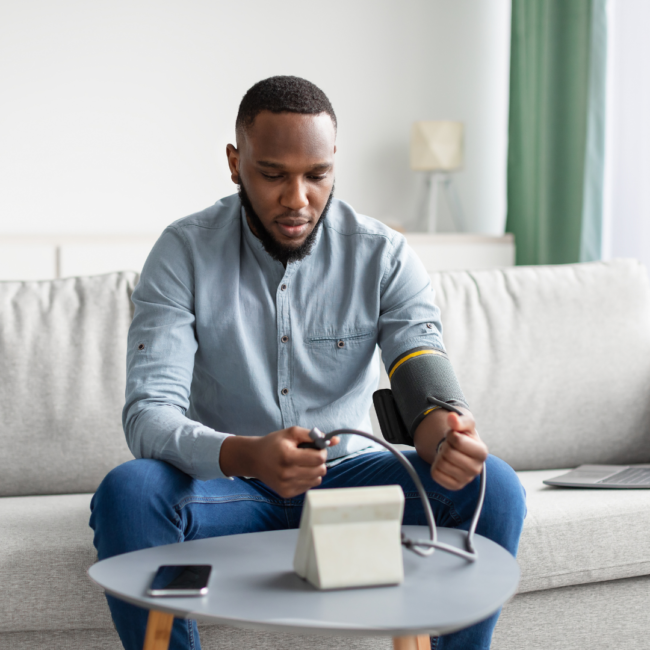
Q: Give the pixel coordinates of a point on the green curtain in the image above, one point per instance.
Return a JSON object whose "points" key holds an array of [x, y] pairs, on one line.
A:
{"points": [[556, 129]]}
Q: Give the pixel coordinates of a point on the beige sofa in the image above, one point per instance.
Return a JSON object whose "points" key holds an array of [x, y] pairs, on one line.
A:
{"points": [[555, 362]]}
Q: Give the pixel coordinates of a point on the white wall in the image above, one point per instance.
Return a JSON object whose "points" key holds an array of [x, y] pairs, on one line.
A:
{"points": [[115, 114], [627, 172]]}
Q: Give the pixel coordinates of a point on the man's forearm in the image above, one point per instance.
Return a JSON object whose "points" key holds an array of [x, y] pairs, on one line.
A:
{"points": [[430, 432], [237, 457], [162, 432]]}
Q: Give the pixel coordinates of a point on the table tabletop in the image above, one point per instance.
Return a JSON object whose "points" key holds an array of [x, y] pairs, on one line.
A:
{"points": [[253, 585]]}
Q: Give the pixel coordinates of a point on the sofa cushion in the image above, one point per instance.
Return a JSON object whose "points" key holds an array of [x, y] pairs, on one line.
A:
{"points": [[573, 536], [599, 615], [62, 378], [47, 548], [554, 360], [570, 537]]}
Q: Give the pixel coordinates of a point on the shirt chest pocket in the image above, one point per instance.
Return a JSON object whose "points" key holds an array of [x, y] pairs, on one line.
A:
{"points": [[354, 340], [337, 360]]}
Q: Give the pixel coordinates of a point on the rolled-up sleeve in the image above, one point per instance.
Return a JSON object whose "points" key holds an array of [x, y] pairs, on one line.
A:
{"points": [[160, 362], [409, 317]]}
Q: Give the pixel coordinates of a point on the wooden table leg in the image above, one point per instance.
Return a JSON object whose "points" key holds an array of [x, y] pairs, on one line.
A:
{"points": [[422, 642], [159, 629]]}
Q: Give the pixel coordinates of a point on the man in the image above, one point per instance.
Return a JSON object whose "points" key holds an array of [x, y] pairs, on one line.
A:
{"points": [[258, 319]]}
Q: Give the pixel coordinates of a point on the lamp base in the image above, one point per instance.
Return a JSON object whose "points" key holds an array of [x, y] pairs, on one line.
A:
{"points": [[439, 184]]}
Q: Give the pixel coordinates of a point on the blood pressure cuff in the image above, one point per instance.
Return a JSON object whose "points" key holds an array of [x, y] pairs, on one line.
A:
{"points": [[414, 376]]}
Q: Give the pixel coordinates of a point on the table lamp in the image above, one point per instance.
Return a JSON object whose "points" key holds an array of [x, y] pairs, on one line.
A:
{"points": [[437, 148]]}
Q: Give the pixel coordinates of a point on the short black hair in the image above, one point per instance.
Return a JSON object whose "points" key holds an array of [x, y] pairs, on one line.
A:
{"points": [[282, 94]]}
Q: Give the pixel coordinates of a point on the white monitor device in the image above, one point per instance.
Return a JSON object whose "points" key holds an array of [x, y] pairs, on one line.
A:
{"points": [[351, 537]]}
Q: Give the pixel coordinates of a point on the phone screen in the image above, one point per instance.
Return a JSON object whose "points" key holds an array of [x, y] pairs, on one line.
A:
{"points": [[180, 580]]}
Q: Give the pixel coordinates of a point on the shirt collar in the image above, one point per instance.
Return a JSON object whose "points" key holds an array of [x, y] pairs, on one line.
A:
{"points": [[265, 261]]}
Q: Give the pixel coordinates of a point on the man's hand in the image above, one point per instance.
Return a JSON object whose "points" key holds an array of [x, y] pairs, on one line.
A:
{"points": [[276, 460], [462, 454]]}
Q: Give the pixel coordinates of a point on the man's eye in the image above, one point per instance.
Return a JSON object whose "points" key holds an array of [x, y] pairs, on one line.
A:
{"points": [[318, 178], [271, 177]]}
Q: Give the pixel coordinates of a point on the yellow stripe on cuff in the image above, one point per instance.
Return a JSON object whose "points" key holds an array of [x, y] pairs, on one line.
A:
{"points": [[410, 356], [435, 408]]}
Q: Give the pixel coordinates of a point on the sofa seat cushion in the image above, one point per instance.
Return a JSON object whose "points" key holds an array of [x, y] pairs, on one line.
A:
{"points": [[570, 537], [573, 536], [47, 547]]}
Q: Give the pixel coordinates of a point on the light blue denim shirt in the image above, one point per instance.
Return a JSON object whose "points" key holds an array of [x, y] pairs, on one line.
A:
{"points": [[225, 340]]}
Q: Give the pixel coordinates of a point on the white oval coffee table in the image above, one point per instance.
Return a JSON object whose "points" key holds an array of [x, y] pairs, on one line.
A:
{"points": [[253, 586]]}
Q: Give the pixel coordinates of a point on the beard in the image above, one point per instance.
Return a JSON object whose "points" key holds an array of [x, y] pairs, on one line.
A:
{"points": [[278, 251]]}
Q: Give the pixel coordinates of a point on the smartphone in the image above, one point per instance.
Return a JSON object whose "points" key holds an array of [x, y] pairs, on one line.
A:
{"points": [[180, 580]]}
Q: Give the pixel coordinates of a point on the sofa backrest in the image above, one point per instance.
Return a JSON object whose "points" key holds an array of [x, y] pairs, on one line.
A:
{"points": [[554, 360], [62, 378]]}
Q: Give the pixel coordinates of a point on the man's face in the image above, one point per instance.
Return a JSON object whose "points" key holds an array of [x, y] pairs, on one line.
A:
{"points": [[284, 165]]}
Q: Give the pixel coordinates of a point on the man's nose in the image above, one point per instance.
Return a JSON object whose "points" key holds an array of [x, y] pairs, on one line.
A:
{"points": [[294, 196]]}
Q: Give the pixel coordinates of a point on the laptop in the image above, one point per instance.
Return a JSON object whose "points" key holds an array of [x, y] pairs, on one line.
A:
{"points": [[604, 476]]}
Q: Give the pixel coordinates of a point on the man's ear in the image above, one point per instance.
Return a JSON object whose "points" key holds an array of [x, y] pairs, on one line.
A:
{"points": [[233, 162]]}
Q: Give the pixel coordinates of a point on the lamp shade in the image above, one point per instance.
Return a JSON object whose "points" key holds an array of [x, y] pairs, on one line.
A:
{"points": [[436, 146]]}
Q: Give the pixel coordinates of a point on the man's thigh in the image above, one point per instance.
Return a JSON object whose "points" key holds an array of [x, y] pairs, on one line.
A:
{"points": [[146, 503], [223, 507]]}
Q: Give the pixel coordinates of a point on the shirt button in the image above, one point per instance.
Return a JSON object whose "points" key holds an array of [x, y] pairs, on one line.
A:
{"points": [[285, 391], [341, 344], [285, 338], [430, 326], [283, 287], [141, 346]]}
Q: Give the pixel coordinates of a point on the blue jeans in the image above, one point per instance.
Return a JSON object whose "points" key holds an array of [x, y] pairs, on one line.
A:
{"points": [[146, 503]]}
